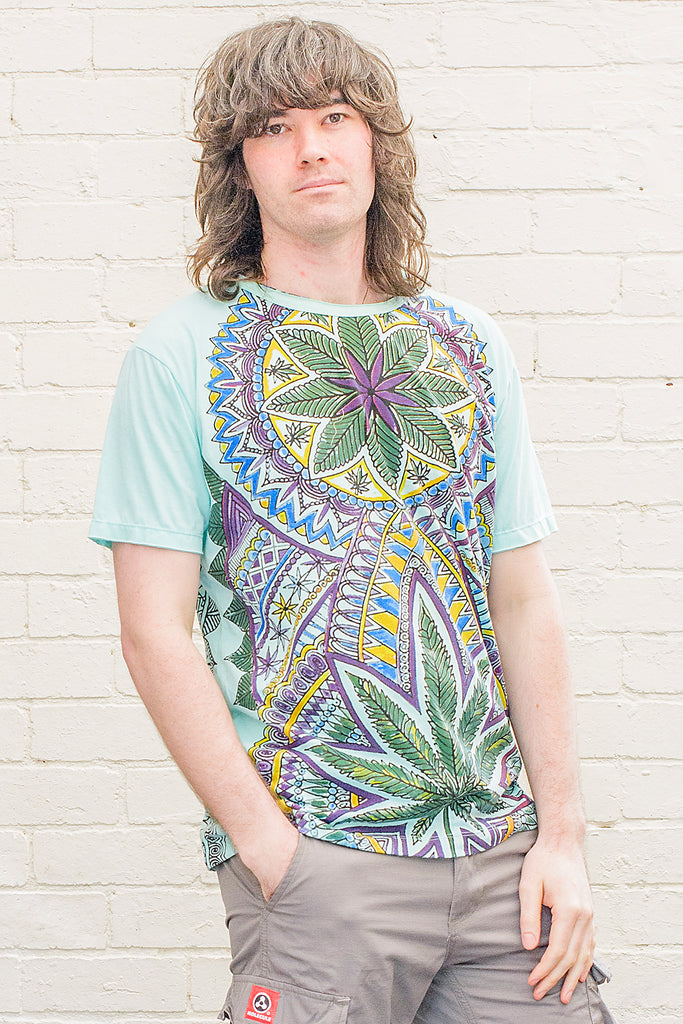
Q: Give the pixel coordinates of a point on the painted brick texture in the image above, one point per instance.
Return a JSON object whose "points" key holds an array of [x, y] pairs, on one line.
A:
{"points": [[550, 136]]}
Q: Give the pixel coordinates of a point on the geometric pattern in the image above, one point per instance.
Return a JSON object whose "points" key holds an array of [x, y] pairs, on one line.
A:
{"points": [[351, 525]]}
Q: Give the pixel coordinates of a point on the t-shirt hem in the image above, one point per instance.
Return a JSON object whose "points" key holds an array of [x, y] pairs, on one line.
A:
{"points": [[217, 847], [506, 540], [107, 534]]}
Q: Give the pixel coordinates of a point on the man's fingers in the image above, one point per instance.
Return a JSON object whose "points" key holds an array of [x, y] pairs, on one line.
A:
{"points": [[559, 970], [560, 942], [569, 956], [578, 973], [573, 967], [530, 899]]}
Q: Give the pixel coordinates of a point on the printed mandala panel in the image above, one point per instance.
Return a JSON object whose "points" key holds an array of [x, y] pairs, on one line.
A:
{"points": [[351, 525], [321, 415], [357, 411]]}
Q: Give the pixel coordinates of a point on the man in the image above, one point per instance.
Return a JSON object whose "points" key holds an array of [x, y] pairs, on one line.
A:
{"points": [[334, 463]]}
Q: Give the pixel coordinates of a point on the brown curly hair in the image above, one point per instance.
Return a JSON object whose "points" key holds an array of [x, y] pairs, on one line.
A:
{"points": [[294, 63]]}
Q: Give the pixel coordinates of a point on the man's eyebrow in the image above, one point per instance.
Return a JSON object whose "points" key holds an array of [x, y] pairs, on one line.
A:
{"points": [[337, 99]]}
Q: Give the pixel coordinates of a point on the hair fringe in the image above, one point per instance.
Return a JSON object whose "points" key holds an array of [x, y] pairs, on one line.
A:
{"points": [[294, 63]]}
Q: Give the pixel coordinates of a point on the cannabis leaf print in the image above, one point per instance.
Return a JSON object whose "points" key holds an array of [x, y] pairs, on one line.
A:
{"points": [[445, 770]]}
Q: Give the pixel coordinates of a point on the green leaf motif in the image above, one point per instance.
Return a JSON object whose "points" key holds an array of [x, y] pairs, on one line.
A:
{"points": [[319, 318], [465, 771], [426, 433], [439, 672], [342, 727], [385, 450], [208, 613], [398, 731], [341, 439], [441, 694], [313, 398], [402, 812], [315, 350], [210, 660], [213, 481], [244, 697], [514, 762], [243, 657], [236, 612], [361, 337], [217, 568], [486, 801], [492, 745], [392, 778], [215, 528], [420, 828], [430, 389], [473, 715], [442, 735], [405, 349], [524, 818], [392, 316]]}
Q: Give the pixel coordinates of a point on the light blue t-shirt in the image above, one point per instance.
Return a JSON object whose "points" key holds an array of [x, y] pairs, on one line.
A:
{"points": [[345, 473]]}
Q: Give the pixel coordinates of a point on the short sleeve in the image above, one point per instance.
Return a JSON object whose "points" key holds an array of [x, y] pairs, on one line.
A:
{"points": [[151, 488], [523, 513]]}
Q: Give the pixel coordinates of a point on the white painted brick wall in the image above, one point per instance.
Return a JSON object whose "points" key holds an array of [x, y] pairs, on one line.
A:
{"points": [[41, 795], [551, 140]]}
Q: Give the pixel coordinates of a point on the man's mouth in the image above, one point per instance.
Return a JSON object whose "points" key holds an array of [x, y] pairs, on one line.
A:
{"points": [[318, 184]]}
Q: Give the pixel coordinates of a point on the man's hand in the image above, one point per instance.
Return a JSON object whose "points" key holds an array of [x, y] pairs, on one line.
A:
{"points": [[555, 876], [270, 860]]}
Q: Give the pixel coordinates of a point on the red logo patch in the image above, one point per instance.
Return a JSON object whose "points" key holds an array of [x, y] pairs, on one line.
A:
{"points": [[262, 1004]]}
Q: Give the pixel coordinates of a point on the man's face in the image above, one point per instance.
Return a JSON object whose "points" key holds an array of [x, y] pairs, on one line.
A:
{"points": [[312, 173]]}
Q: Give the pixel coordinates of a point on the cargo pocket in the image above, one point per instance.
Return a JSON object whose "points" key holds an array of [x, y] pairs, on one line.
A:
{"points": [[260, 999]]}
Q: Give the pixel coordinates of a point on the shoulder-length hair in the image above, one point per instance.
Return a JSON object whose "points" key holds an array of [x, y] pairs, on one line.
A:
{"points": [[294, 63]]}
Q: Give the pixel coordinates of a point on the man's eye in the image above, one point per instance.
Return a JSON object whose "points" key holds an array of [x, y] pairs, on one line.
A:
{"points": [[273, 129], [336, 117]]}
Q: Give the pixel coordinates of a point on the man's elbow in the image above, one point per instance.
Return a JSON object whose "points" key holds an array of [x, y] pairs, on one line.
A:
{"points": [[136, 646]]}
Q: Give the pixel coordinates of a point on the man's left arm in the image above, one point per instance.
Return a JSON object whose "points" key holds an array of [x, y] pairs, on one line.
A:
{"points": [[527, 621]]}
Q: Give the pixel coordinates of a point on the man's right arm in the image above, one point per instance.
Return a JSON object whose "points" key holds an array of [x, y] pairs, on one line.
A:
{"points": [[157, 592]]}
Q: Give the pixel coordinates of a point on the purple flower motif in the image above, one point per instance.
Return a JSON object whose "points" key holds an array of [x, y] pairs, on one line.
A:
{"points": [[373, 393]]}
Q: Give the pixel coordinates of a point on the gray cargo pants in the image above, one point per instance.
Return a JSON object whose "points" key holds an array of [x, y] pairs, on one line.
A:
{"points": [[362, 938]]}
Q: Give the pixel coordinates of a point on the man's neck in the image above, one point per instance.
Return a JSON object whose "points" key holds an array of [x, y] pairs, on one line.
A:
{"points": [[332, 273]]}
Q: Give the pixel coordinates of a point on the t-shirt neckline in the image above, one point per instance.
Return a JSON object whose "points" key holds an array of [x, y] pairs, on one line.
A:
{"points": [[301, 304]]}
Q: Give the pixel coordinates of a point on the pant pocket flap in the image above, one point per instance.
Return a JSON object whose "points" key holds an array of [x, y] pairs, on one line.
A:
{"points": [[267, 1001], [600, 973]]}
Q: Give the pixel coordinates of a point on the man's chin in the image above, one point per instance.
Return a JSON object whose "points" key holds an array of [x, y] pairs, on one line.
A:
{"points": [[326, 229]]}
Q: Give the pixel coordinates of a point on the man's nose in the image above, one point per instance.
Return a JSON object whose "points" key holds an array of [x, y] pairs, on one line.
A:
{"points": [[311, 145]]}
